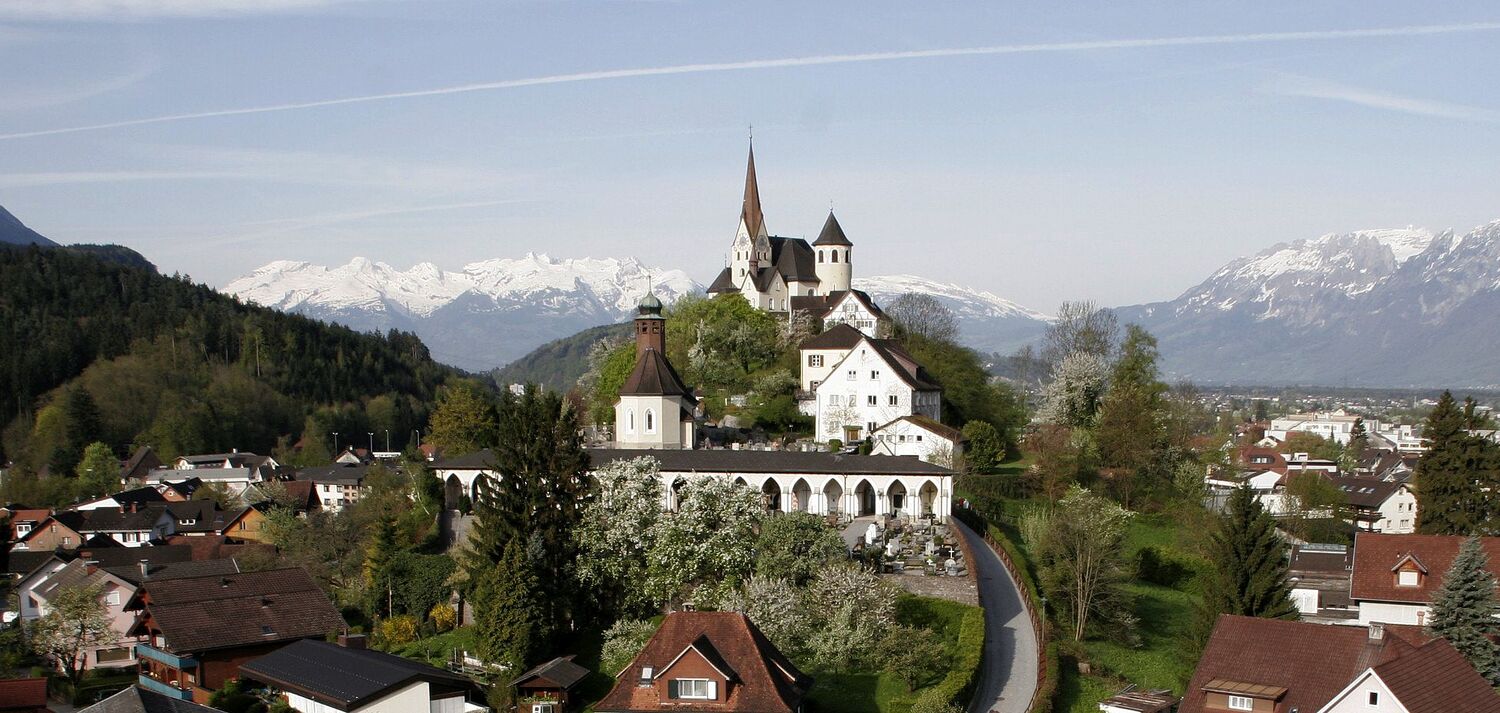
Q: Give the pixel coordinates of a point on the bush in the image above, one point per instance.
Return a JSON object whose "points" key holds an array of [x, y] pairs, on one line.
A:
{"points": [[621, 643], [963, 674], [397, 631], [443, 617], [1154, 566]]}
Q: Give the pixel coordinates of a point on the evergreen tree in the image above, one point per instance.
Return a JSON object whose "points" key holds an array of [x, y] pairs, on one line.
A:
{"points": [[1465, 607], [378, 557], [1447, 496], [1249, 577], [1359, 439], [510, 611]]}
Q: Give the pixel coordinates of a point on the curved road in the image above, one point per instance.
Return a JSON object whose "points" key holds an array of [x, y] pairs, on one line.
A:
{"points": [[1008, 680]]}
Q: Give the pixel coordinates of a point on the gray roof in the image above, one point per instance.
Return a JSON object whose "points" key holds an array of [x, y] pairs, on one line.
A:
{"points": [[351, 473], [157, 571], [727, 461], [560, 671], [832, 234], [140, 700], [343, 677]]}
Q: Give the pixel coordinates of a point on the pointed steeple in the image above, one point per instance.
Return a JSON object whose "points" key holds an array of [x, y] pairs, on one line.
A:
{"points": [[833, 233], [755, 221]]}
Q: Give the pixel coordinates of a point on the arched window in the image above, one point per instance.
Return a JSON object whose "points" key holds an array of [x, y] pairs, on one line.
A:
{"points": [[835, 255], [846, 256], [650, 421], [820, 256], [630, 421]]}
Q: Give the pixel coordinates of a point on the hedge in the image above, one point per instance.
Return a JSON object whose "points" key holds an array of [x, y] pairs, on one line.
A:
{"points": [[963, 675]]}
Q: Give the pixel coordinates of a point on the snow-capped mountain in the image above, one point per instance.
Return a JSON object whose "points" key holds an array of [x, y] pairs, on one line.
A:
{"points": [[1405, 307], [987, 321], [479, 317]]}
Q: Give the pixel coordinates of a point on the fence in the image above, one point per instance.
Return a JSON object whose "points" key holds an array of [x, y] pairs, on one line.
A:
{"points": [[1041, 697]]}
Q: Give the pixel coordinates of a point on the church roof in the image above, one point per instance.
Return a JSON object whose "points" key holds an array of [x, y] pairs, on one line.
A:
{"points": [[832, 233], [654, 376], [723, 283], [794, 259], [755, 220]]}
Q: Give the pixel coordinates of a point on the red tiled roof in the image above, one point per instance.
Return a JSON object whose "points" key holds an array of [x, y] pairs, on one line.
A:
{"points": [[1313, 662], [1436, 678], [23, 694], [1376, 553], [766, 681], [250, 608]]}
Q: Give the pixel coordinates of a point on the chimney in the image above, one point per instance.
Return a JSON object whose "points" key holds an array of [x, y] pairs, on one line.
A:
{"points": [[1377, 631], [90, 566], [145, 569], [352, 641]]}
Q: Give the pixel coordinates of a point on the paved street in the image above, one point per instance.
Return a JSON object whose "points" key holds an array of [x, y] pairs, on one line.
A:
{"points": [[1010, 647]]}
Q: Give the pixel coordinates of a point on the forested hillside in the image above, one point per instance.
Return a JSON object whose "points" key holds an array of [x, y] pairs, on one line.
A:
{"points": [[559, 363], [97, 348]]}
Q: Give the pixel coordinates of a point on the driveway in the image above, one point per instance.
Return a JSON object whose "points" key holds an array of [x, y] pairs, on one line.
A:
{"points": [[1008, 680]]}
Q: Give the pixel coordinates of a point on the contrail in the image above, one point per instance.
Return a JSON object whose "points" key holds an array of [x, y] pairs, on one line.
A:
{"points": [[605, 75]]}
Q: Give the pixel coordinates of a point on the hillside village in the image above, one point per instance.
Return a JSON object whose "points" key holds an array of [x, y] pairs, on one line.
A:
{"points": [[778, 496]]}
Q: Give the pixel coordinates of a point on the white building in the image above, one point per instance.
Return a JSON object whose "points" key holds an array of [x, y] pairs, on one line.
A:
{"points": [[858, 383], [770, 270], [1332, 425], [1380, 505], [922, 438], [655, 409]]}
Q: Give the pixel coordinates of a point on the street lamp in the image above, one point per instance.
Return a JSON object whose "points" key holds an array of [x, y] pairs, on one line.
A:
{"points": [[335, 443]]}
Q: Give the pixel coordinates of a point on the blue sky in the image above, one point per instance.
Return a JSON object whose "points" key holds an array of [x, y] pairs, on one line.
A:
{"points": [[1110, 151]]}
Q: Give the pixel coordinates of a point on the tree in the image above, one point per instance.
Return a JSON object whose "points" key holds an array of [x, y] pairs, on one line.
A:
{"points": [[1449, 500], [463, 420], [610, 364], [98, 471], [1061, 455], [1312, 499], [775, 607], [1465, 607], [1359, 439], [1080, 328], [1073, 396], [1249, 574], [377, 567], [76, 622], [1314, 445], [1262, 411], [615, 534], [1083, 564], [84, 427], [218, 493], [622, 641], [919, 314], [796, 546], [707, 543], [510, 611], [983, 449]]}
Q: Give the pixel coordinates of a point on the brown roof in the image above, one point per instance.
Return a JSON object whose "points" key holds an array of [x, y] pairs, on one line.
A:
{"points": [[1307, 665], [560, 672], [1366, 492], [906, 365], [932, 425], [840, 336], [1376, 553], [832, 234], [1437, 679], [654, 376], [23, 694], [766, 682], [223, 611]]}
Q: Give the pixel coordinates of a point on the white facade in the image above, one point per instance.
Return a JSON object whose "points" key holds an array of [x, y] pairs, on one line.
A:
{"points": [[1332, 425], [852, 311], [835, 268], [1366, 694], [907, 437], [1393, 613], [1398, 514], [864, 391], [653, 422]]}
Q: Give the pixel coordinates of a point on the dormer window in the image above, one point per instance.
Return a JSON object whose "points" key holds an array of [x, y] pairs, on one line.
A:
{"points": [[700, 689], [1241, 703], [1408, 578]]}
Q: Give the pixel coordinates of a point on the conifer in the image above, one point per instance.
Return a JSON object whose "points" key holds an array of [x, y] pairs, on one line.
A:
{"points": [[1465, 607], [1250, 566]]}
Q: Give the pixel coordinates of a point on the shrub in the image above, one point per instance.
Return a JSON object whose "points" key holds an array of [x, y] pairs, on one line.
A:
{"points": [[397, 631], [443, 617], [622, 642]]}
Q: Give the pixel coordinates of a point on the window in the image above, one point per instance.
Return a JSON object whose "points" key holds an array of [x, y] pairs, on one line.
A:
{"points": [[650, 421], [113, 598], [871, 426], [815, 360], [1241, 703], [895, 400], [630, 421], [1374, 698], [872, 400], [1407, 578], [874, 375], [919, 438], [543, 708], [698, 688], [853, 374], [835, 256], [853, 400], [820, 256]]}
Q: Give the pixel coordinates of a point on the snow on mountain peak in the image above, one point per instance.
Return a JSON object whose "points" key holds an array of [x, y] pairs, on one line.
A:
{"points": [[966, 301]]}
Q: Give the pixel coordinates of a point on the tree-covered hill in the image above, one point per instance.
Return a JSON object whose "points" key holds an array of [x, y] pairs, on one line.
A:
{"points": [[558, 364], [96, 346]]}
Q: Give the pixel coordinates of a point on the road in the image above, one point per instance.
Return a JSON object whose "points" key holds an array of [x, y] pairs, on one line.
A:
{"points": [[1008, 680]]}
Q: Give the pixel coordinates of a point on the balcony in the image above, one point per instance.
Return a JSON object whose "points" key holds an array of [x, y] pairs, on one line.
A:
{"points": [[165, 689], [181, 663]]}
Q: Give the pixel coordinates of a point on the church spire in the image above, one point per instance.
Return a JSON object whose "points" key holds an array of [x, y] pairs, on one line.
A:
{"points": [[755, 221]]}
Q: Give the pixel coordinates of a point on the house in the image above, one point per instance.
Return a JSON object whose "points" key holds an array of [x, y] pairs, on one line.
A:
{"points": [[338, 485], [1319, 575], [921, 437], [1260, 459], [1377, 505], [1395, 577], [655, 409], [180, 491], [1278, 666], [249, 524], [548, 688], [234, 471], [264, 465], [1334, 425], [198, 631], [316, 676], [858, 383], [22, 520], [139, 700], [23, 695], [708, 661], [768, 271], [48, 535], [135, 497], [852, 307], [131, 526], [789, 481], [142, 461]]}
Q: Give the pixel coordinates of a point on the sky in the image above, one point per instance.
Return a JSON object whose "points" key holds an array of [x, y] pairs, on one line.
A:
{"points": [[1117, 152]]}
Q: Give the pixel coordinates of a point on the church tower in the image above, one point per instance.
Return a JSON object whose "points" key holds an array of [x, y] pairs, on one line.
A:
{"points": [[834, 255], [752, 244], [655, 409]]}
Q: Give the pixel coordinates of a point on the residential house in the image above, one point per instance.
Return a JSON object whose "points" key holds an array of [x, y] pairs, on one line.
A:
{"points": [[1278, 666], [249, 524], [1377, 505], [22, 520], [1396, 577], [23, 695], [131, 526], [852, 307], [139, 464], [265, 465], [139, 700], [336, 486], [869, 383], [1319, 575], [1332, 425], [234, 471], [921, 437], [180, 491], [136, 498], [199, 630], [549, 688], [708, 661], [768, 271], [318, 677]]}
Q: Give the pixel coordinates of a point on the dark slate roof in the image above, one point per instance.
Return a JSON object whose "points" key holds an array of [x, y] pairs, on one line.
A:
{"points": [[840, 336], [351, 473], [157, 571], [654, 376], [24, 562], [342, 677], [140, 700], [225, 611], [111, 519], [139, 496], [561, 672], [832, 233], [122, 556], [794, 259], [727, 461], [142, 460], [199, 516], [723, 283], [1364, 491]]}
